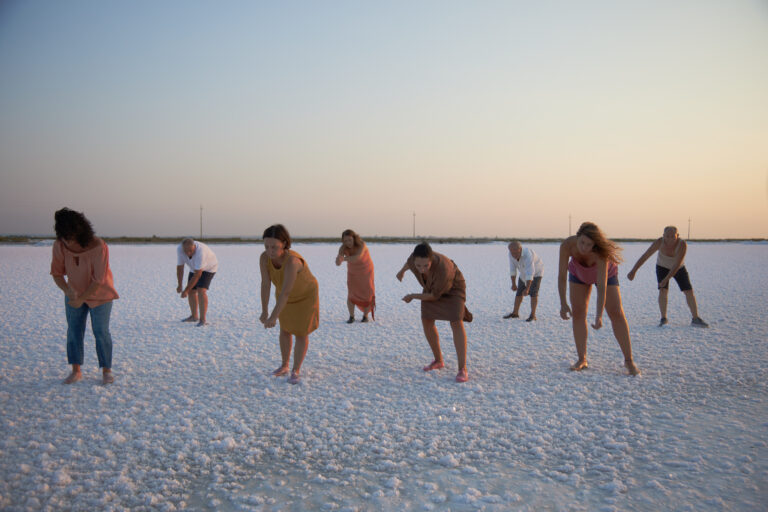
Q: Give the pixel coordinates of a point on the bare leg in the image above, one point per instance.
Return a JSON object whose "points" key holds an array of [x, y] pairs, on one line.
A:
{"points": [[615, 312], [579, 295], [286, 342], [518, 302], [663, 295], [302, 343], [460, 342], [351, 308], [192, 304], [430, 332], [690, 298], [534, 304], [202, 299]]}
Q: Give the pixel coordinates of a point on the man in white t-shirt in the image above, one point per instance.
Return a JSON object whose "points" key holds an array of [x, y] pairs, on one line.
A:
{"points": [[203, 265], [528, 264]]}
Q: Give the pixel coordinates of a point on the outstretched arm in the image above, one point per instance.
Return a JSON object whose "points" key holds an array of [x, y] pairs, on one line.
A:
{"points": [[647, 254], [340, 257], [562, 278], [292, 267], [266, 285], [179, 277], [602, 279]]}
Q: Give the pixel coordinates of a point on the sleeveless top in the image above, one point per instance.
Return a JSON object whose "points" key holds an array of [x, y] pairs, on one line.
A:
{"points": [[588, 275], [301, 314], [665, 261]]}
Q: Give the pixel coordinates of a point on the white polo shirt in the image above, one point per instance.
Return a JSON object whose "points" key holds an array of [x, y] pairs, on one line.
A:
{"points": [[529, 265], [203, 259]]}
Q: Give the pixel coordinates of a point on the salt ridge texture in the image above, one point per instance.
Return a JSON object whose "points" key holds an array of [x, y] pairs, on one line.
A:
{"points": [[195, 421]]}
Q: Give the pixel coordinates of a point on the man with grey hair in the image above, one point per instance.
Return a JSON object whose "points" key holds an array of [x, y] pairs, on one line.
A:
{"points": [[670, 264], [528, 264], [203, 265]]}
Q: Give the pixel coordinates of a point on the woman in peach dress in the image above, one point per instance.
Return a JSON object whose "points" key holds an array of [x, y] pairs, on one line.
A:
{"points": [[361, 291]]}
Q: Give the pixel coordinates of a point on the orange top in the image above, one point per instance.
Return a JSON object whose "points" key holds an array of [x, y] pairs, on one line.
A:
{"points": [[83, 268]]}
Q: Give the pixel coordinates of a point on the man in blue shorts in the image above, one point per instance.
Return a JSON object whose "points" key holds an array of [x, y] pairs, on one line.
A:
{"points": [[203, 265], [669, 265], [527, 263]]}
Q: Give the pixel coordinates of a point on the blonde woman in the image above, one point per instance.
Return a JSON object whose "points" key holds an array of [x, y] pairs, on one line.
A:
{"points": [[586, 259]]}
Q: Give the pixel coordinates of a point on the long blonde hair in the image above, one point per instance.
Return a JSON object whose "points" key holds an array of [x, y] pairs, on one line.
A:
{"points": [[605, 248]]}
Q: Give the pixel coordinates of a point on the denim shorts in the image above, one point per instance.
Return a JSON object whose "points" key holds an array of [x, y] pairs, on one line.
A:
{"points": [[612, 281]]}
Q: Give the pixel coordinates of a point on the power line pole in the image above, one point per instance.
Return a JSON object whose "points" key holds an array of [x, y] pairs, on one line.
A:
{"points": [[689, 229], [569, 224], [414, 224], [201, 221]]}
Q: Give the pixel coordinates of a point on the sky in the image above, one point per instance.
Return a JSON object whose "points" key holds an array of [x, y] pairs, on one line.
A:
{"points": [[488, 118]]}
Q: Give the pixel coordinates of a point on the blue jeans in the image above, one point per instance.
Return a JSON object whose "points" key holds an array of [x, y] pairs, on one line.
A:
{"points": [[76, 320]]}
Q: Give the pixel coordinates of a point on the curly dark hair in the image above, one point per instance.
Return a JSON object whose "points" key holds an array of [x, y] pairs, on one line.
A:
{"points": [[278, 231], [72, 225]]}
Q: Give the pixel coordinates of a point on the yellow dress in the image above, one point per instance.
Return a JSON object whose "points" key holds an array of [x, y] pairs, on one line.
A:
{"points": [[301, 314]]}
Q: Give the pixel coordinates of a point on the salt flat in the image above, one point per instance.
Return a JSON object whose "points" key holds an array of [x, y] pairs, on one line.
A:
{"points": [[195, 421]]}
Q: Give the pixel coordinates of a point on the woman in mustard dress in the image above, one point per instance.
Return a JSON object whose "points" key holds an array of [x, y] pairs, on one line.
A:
{"points": [[297, 303]]}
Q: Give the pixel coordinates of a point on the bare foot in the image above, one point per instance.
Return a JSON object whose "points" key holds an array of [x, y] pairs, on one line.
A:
{"points": [[294, 378], [633, 369], [280, 371], [107, 378], [579, 365], [73, 377], [190, 319]]}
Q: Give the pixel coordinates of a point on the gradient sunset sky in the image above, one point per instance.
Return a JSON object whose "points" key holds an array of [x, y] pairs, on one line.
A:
{"points": [[486, 118]]}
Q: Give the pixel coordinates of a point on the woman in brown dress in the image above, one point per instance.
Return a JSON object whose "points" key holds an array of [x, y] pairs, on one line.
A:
{"points": [[297, 304], [443, 298]]}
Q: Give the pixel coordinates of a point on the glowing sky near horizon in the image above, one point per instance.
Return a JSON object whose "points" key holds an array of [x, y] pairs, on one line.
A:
{"points": [[485, 118]]}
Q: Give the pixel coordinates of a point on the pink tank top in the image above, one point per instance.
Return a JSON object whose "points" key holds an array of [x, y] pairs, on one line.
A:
{"points": [[588, 275]]}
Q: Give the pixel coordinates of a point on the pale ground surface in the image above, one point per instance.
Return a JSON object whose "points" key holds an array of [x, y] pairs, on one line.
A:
{"points": [[195, 421]]}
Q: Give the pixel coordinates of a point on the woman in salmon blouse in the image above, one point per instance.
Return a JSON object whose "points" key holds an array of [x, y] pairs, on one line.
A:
{"points": [[361, 291], [88, 289], [297, 303], [589, 258]]}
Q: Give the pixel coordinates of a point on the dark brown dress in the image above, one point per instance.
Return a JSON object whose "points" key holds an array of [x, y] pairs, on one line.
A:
{"points": [[446, 281]]}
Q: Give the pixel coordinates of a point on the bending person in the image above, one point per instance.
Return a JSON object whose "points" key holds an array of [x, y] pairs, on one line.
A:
{"points": [[669, 264], [361, 291], [590, 258], [529, 265], [297, 303], [203, 265], [443, 298], [88, 289]]}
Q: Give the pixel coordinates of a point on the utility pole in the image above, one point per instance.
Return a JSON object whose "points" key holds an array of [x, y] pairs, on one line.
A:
{"points": [[414, 224], [689, 229], [569, 224], [201, 221]]}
